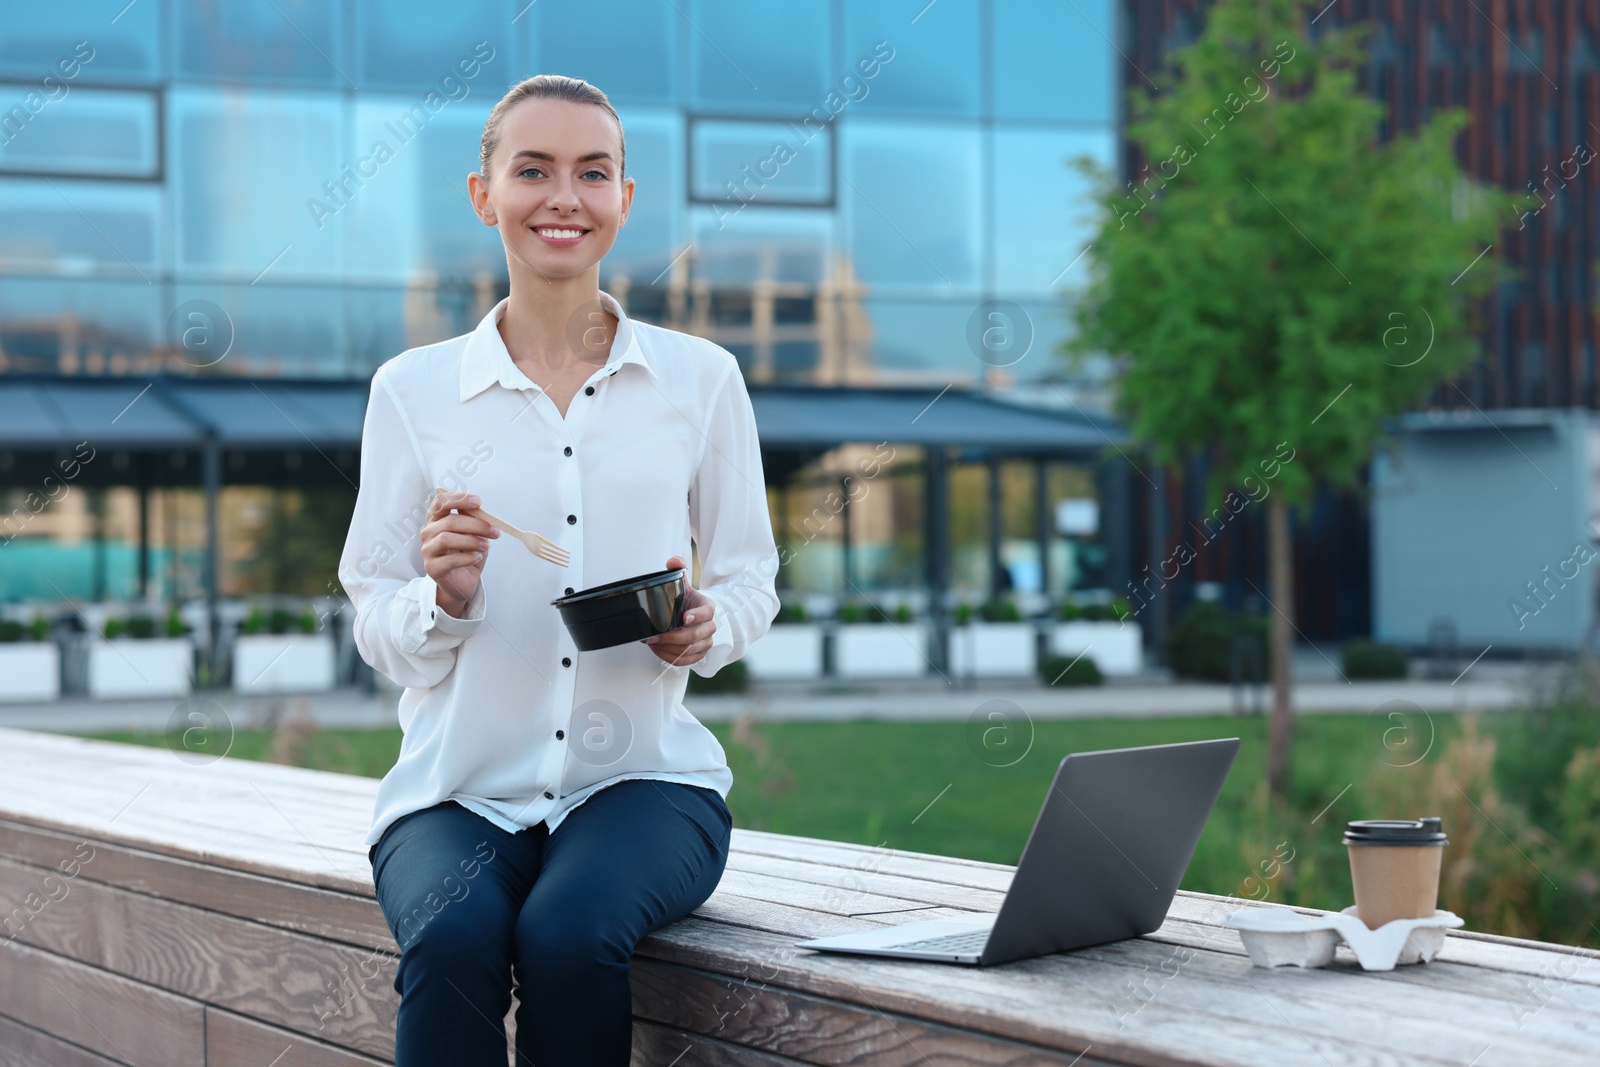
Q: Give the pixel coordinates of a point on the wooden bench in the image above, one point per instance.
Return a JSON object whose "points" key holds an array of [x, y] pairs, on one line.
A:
{"points": [[164, 913]]}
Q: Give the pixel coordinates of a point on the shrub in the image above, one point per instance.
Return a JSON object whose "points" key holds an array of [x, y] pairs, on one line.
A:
{"points": [[962, 614], [1000, 611], [36, 630], [116, 626], [861, 611], [142, 627], [1370, 659], [1096, 613], [732, 678], [176, 627], [1200, 644], [1068, 611], [1061, 670], [789, 613]]}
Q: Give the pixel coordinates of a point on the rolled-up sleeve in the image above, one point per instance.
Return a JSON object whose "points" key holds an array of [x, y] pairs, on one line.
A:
{"points": [[399, 628], [732, 527]]}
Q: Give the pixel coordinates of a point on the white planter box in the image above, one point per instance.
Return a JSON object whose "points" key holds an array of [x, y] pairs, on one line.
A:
{"points": [[283, 663], [993, 649], [788, 650], [29, 671], [1115, 647], [134, 667], [881, 650]]}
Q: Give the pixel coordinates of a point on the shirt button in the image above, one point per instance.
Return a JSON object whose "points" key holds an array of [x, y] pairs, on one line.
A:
{"points": [[567, 450], [566, 661], [549, 795], [569, 589], [560, 734], [589, 391], [572, 520]]}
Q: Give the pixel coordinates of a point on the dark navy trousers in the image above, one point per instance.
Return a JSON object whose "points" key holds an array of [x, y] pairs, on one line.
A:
{"points": [[472, 906]]}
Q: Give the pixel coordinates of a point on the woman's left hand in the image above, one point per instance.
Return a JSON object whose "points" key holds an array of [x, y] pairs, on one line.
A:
{"points": [[690, 642]]}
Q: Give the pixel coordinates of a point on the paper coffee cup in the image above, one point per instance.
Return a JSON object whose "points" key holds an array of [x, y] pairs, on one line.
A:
{"points": [[1394, 868]]}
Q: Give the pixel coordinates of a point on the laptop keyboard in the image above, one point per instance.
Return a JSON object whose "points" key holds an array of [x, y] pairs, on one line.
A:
{"points": [[967, 941]]}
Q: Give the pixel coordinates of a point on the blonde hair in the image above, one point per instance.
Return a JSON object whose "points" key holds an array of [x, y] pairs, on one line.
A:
{"points": [[546, 87]]}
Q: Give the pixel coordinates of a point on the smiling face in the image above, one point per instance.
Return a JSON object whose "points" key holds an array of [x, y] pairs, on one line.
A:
{"points": [[553, 187]]}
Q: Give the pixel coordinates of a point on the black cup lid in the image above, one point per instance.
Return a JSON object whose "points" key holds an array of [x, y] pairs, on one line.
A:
{"points": [[1427, 831]]}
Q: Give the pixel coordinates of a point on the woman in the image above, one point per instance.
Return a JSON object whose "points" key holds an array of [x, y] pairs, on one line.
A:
{"points": [[549, 807]]}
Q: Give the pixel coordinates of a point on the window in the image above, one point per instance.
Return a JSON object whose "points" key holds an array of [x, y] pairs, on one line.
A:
{"points": [[933, 63], [77, 325], [1043, 210], [235, 152], [262, 41], [732, 164], [766, 56], [80, 228], [83, 42], [911, 196], [1056, 61], [461, 47], [634, 59], [923, 340], [292, 329], [100, 133], [653, 234], [765, 244]]}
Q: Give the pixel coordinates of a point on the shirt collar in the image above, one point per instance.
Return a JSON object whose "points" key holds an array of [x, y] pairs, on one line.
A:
{"points": [[485, 361]]}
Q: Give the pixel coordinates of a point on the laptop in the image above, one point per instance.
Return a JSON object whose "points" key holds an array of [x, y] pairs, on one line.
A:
{"points": [[1103, 862]]}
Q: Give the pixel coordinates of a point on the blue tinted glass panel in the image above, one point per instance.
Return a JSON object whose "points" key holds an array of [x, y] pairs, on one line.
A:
{"points": [[765, 244], [633, 60], [412, 211], [1044, 324], [911, 196], [254, 174], [79, 325], [1055, 60], [1043, 214], [910, 56], [653, 234], [263, 41], [760, 56], [294, 329], [80, 43], [922, 340], [92, 132], [738, 163], [79, 227], [464, 47]]}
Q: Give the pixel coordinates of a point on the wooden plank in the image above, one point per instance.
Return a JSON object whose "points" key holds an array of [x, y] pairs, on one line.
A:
{"points": [[662, 1046], [330, 991], [237, 1041], [290, 905], [23, 1046], [105, 1013], [751, 1014], [1061, 1001]]}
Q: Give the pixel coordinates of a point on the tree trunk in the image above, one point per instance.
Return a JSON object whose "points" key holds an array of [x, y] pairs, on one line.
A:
{"points": [[1280, 583]]}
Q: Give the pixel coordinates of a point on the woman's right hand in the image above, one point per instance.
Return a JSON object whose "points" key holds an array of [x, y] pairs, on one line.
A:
{"points": [[454, 547]]}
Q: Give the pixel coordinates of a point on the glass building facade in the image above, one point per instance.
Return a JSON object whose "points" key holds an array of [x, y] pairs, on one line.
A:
{"points": [[828, 188]]}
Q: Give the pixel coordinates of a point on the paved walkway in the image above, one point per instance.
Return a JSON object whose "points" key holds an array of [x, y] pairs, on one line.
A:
{"points": [[1486, 687]]}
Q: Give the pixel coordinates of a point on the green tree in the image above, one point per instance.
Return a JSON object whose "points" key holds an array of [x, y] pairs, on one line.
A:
{"points": [[1279, 280]]}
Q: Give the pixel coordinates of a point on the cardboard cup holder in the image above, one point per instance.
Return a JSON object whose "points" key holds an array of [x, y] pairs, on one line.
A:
{"points": [[1281, 937]]}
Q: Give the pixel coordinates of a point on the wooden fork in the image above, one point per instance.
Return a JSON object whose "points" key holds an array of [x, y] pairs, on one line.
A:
{"points": [[542, 547]]}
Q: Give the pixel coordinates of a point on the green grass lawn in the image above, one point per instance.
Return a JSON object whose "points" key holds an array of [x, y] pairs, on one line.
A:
{"points": [[933, 787]]}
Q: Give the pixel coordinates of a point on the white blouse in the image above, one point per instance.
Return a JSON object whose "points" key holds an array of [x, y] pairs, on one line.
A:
{"points": [[501, 712]]}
